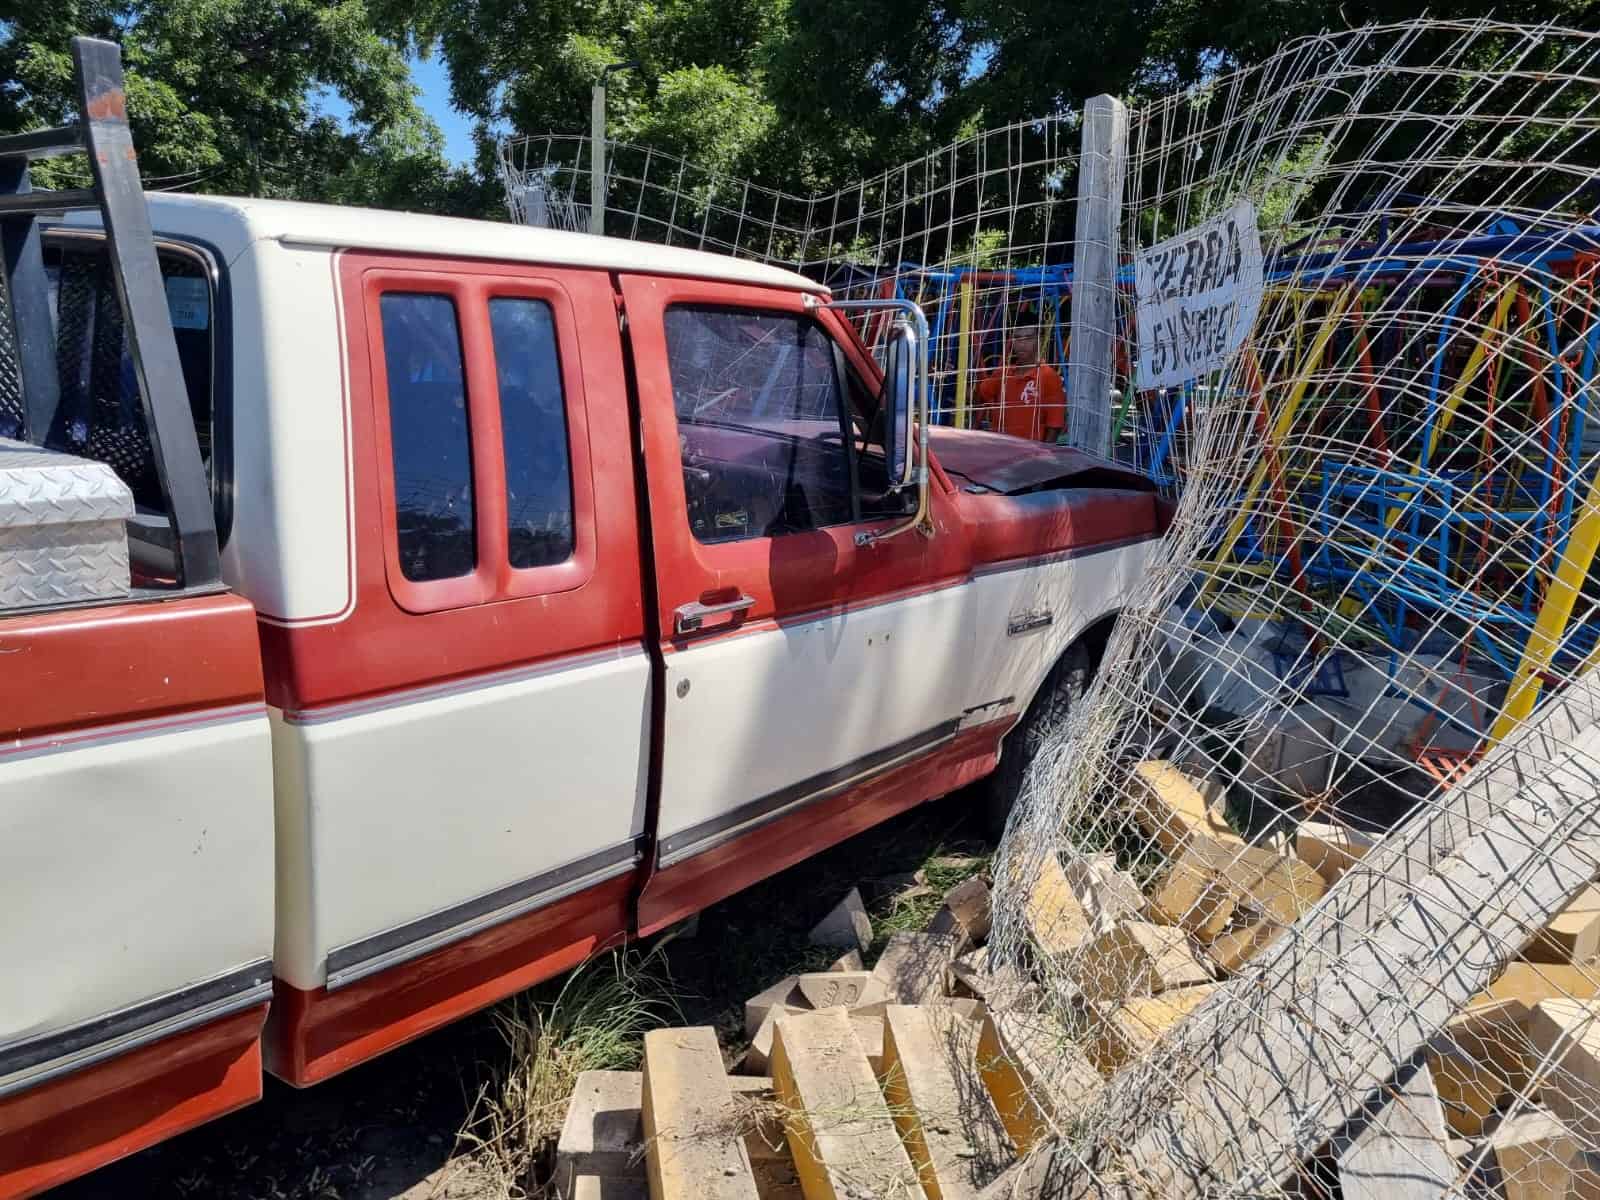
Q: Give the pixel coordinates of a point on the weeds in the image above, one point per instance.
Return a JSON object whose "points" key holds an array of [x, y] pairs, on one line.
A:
{"points": [[595, 1022]]}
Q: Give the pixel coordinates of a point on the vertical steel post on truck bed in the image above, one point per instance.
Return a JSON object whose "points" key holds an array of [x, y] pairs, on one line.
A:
{"points": [[102, 132]]}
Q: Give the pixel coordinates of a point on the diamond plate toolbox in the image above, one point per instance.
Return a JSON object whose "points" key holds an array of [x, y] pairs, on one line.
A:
{"points": [[62, 537]]}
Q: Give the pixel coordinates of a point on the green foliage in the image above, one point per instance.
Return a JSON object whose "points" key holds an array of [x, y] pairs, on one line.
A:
{"points": [[231, 95], [226, 96]]}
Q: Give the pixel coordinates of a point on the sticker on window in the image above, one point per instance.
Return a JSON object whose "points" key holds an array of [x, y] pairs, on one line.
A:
{"points": [[189, 302]]}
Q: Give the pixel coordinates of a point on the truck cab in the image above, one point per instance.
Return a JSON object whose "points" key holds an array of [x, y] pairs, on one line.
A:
{"points": [[565, 585]]}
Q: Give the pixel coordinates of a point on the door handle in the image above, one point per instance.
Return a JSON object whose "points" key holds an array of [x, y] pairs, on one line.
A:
{"points": [[690, 618]]}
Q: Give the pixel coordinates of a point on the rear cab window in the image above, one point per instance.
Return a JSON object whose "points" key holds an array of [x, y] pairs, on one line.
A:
{"points": [[430, 443], [534, 436], [100, 414]]}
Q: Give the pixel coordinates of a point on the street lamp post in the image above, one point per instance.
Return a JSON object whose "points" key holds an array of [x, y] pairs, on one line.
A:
{"points": [[597, 147]]}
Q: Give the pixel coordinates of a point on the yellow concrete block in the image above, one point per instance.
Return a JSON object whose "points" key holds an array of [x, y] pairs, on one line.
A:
{"points": [[843, 989], [694, 1147], [1469, 1087], [1585, 1182], [1055, 918], [1566, 1034], [930, 1079], [1127, 1031], [1277, 887], [1530, 983], [1191, 895], [1330, 849], [1171, 808], [1136, 958], [785, 991], [844, 1142], [764, 1141], [1573, 934], [913, 966], [1230, 951], [1032, 1070], [868, 1029], [1534, 1150], [758, 1058]]}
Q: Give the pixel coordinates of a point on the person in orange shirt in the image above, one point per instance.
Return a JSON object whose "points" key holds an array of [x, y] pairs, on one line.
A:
{"points": [[1024, 398]]}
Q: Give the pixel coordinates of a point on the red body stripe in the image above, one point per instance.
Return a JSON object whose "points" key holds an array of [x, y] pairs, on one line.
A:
{"points": [[90, 667], [81, 1121], [687, 887], [318, 1033]]}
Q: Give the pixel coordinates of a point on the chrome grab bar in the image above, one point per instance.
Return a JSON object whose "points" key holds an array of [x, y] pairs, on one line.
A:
{"points": [[689, 618]]}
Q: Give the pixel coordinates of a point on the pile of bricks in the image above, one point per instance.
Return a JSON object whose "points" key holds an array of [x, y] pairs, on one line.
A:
{"points": [[1141, 962], [898, 1082], [934, 1073]]}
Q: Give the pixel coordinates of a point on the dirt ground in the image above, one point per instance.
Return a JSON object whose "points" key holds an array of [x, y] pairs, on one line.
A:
{"points": [[388, 1130]]}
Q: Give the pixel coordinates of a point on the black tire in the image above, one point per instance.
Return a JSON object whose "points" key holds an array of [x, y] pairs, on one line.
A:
{"points": [[1065, 685]]}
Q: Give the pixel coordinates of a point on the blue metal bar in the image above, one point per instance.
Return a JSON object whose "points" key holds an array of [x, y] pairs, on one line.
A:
{"points": [[1164, 446]]}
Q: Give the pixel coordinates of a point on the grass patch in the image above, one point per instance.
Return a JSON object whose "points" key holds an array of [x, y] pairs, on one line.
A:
{"points": [[594, 1019]]}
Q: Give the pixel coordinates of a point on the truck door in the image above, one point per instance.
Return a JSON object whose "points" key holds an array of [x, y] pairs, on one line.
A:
{"points": [[463, 755], [801, 670]]}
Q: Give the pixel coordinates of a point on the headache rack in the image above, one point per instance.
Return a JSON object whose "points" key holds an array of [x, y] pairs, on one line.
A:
{"points": [[184, 546]]}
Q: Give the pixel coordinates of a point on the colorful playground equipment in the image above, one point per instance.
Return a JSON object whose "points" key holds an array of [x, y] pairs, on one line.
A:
{"points": [[971, 314], [1426, 452], [1427, 465]]}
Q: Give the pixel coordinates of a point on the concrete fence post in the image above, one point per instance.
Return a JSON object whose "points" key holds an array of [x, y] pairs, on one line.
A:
{"points": [[597, 160], [1091, 367]]}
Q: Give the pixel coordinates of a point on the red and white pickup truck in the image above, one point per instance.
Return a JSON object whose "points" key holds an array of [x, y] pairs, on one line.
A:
{"points": [[560, 590]]}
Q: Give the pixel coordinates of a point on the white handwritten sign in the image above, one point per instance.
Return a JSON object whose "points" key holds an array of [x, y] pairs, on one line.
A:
{"points": [[1198, 296]]}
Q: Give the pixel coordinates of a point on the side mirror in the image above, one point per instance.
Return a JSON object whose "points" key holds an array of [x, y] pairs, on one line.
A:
{"points": [[903, 407], [898, 402]]}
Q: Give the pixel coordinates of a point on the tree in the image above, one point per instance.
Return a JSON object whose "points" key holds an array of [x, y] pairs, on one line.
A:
{"points": [[231, 96], [701, 89]]}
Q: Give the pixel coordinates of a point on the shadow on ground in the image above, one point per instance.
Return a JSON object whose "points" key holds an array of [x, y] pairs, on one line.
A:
{"points": [[387, 1130]]}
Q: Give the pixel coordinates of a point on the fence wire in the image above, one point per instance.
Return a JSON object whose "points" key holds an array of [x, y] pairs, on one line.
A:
{"points": [[1339, 762], [978, 232], [1301, 898]]}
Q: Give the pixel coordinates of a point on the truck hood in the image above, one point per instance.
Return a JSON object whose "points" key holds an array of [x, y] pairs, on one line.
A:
{"points": [[997, 462]]}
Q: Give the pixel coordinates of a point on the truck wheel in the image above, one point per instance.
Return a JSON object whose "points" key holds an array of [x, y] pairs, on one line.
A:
{"points": [[1062, 688]]}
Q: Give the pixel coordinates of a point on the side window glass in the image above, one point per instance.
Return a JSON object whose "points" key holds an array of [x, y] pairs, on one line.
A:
{"points": [[533, 417], [758, 401], [430, 436]]}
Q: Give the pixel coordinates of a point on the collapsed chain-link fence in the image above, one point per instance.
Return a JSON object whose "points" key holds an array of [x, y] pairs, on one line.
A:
{"points": [[1306, 882]]}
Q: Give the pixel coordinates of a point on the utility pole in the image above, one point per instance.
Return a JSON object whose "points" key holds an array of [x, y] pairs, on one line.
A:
{"points": [[597, 146]]}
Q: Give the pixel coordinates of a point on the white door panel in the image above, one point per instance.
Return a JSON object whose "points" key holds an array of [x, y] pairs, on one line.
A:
{"points": [[399, 811], [1016, 647], [131, 866], [751, 715]]}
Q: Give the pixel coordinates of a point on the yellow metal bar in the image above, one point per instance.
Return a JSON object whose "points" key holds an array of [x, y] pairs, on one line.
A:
{"points": [[1280, 430], [963, 353], [1554, 614], [1475, 363]]}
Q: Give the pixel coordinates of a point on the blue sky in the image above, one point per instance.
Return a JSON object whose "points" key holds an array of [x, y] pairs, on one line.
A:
{"points": [[433, 79]]}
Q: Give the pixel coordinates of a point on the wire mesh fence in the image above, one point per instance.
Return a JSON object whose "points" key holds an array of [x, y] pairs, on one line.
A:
{"points": [[1307, 879], [1301, 899], [978, 232]]}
